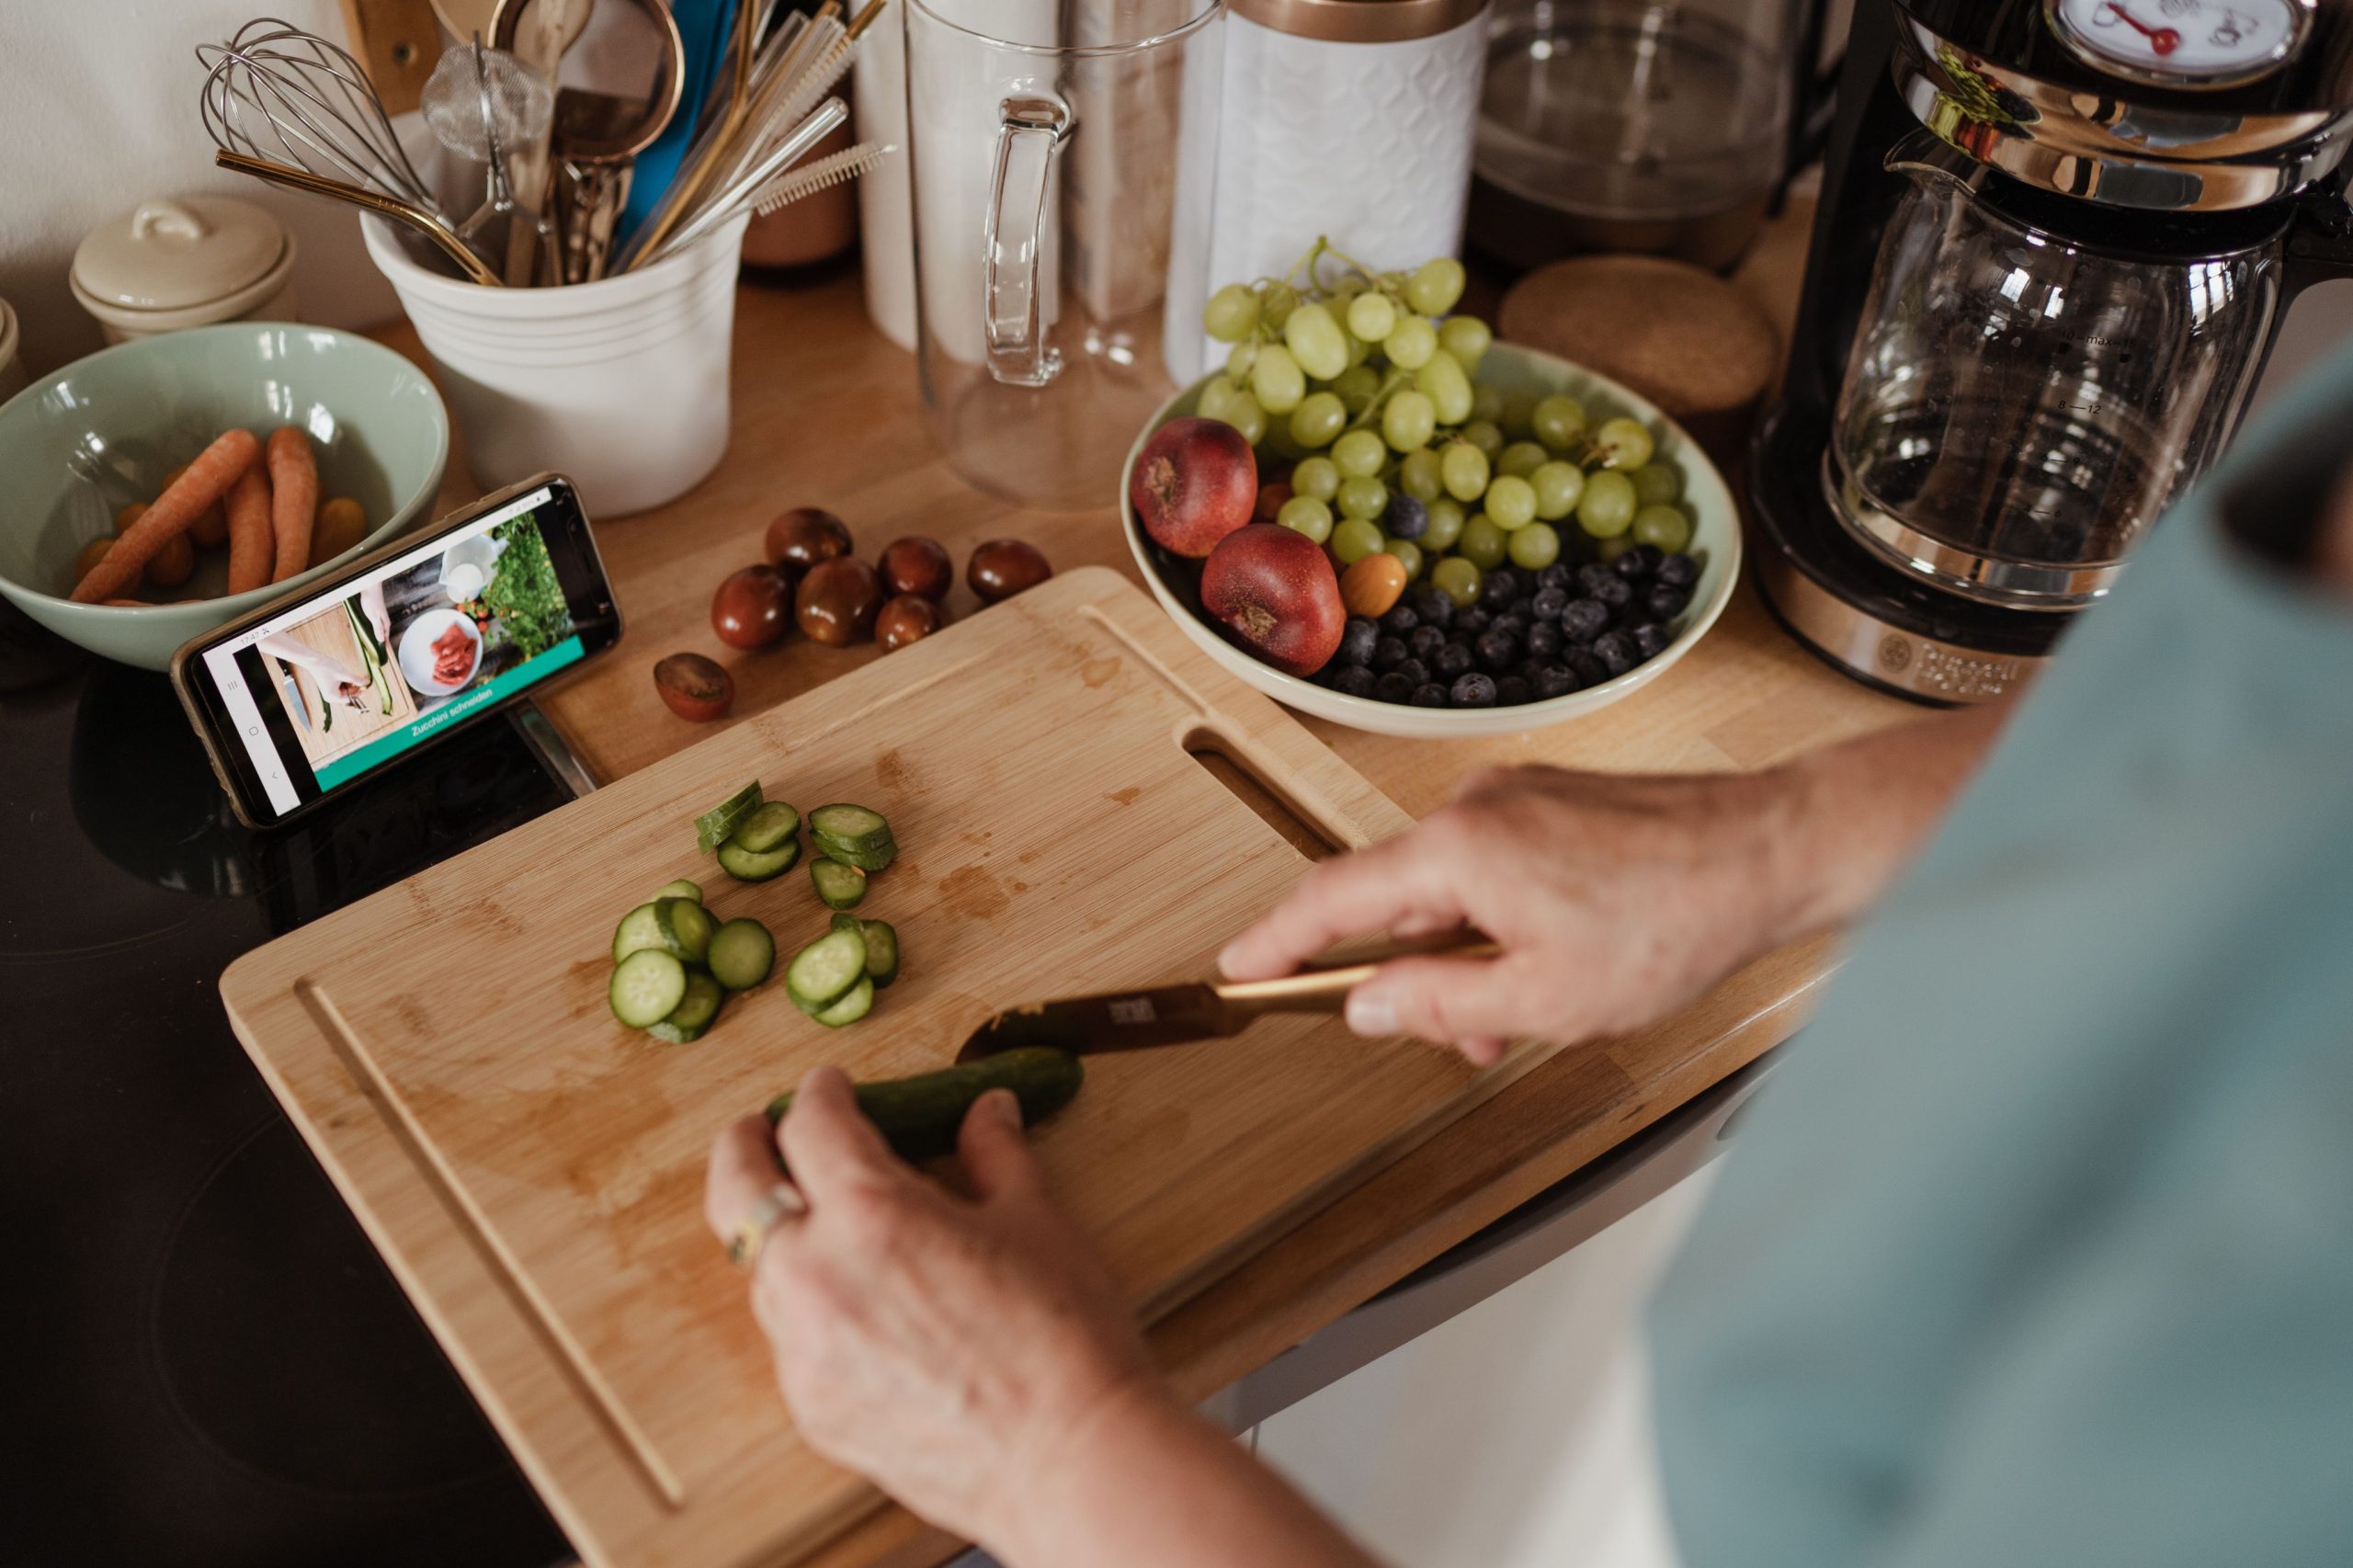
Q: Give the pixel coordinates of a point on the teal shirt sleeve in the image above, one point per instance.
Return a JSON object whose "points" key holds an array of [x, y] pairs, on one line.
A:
{"points": [[2040, 1249]]}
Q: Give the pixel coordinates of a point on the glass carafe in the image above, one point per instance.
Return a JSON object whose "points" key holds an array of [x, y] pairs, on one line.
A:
{"points": [[2020, 406], [1043, 139]]}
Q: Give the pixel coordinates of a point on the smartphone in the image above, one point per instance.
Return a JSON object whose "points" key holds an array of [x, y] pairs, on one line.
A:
{"points": [[305, 697]]}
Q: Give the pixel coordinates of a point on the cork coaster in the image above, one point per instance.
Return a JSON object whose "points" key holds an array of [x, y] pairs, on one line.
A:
{"points": [[1678, 335]]}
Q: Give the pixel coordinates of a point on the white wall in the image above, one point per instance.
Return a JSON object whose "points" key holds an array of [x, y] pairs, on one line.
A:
{"points": [[98, 113]]}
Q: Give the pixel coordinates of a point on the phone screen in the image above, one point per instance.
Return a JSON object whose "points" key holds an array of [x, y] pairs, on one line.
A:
{"points": [[355, 676]]}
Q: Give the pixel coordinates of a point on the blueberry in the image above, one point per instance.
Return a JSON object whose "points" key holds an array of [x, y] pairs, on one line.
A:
{"points": [[1393, 687], [1544, 640], [1354, 679], [1511, 691], [1474, 691], [1357, 639], [1453, 662], [1405, 517], [1499, 590], [1527, 577], [1613, 591], [1640, 560], [1429, 694], [1590, 671], [1511, 620], [1470, 621], [1497, 651], [1414, 670], [1555, 680], [1400, 620], [1616, 651], [1388, 654], [1666, 602], [1560, 574], [1424, 642], [1649, 638], [1593, 574], [1431, 604], [1549, 603], [1679, 570], [1584, 620]]}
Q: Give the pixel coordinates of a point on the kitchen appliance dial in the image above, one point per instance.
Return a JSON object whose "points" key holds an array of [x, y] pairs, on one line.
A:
{"points": [[2182, 43]]}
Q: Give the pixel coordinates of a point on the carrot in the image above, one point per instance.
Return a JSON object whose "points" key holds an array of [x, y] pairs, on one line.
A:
{"points": [[252, 544], [207, 479], [293, 499], [211, 529]]}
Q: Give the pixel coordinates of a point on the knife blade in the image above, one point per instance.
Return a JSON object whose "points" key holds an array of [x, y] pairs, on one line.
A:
{"points": [[1202, 1009], [294, 696]]}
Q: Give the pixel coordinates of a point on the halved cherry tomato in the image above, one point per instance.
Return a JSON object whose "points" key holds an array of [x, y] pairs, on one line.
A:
{"points": [[695, 689]]}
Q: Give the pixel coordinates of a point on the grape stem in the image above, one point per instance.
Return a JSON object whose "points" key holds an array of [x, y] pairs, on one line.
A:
{"points": [[1390, 383]]}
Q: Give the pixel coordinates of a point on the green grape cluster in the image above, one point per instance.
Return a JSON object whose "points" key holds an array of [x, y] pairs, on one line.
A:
{"points": [[1364, 388]]}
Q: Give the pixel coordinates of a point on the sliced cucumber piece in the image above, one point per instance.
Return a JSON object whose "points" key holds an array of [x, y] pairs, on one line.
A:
{"points": [[712, 827], [742, 953], [686, 1022], [854, 827], [873, 859], [648, 984], [766, 828], [686, 928], [638, 932], [882, 951], [840, 886], [854, 1006], [682, 888], [746, 865], [847, 922], [822, 973]]}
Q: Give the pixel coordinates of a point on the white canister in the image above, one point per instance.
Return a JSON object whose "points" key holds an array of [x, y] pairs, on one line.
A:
{"points": [[1350, 119], [182, 261]]}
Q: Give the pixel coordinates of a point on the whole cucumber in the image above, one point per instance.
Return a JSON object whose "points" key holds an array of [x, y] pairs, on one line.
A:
{"points": [[920, 1115]]}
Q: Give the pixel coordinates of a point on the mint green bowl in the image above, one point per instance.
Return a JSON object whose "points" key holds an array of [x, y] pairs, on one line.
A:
{"points": [[79, 444]]}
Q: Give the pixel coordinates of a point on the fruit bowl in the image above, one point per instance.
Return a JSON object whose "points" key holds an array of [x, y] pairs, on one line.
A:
{"points": [[1715, 544]]}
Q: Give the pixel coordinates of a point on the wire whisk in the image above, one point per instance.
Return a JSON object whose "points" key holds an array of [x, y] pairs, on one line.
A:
{"points": [[277, 93]]}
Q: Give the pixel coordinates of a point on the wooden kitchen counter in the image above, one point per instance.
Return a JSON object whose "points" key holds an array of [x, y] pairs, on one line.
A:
{"points": [[826, 413]]}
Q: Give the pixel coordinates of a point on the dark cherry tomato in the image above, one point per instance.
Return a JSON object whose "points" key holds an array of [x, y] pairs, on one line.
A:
{"points": [[806, 535], [1004, 567], [695, 687], [837, 601], [753, 607], [910, 618], [919, 566]]}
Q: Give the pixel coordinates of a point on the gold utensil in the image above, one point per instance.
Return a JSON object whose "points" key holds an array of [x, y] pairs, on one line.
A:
{"points": [[1202, 1009], [429, 224], [745, 190]]}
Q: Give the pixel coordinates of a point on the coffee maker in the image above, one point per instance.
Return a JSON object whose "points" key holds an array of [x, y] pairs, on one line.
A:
{"points": [[2054, 241]]}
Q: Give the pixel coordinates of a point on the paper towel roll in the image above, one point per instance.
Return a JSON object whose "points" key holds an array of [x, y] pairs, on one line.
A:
{"points": [[886, 212]]}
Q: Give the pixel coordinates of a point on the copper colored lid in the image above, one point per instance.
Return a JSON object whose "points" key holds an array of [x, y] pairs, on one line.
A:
{"points": [[1359, 21]]}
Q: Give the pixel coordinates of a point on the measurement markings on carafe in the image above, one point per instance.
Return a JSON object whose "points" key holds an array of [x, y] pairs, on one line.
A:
{"points": [[2182, 43]]}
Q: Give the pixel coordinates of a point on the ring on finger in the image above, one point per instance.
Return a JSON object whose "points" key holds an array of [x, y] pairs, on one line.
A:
{"points": [[781, 1202]]}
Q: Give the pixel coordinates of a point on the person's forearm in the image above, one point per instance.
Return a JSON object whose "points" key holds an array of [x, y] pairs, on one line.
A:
{"points": [[1855, 814], [1145, 1483]]}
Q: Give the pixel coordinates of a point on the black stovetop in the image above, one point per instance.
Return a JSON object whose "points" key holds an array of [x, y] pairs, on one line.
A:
{"points": [[202, 1360]]}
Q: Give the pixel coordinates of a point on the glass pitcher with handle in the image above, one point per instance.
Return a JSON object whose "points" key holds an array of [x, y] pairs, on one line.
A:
{"points": [[1042, 144]]}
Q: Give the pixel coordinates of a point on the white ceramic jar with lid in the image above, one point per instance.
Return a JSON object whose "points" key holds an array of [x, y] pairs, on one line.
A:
{"points": [[182, 261], [1351, 118], [12, 370]]}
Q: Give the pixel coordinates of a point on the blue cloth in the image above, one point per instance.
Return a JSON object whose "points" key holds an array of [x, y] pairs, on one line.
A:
{"points": [[2040, 1249]]}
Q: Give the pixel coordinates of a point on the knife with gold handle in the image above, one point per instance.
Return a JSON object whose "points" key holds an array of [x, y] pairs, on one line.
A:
{"points": [[1201, 1010]]}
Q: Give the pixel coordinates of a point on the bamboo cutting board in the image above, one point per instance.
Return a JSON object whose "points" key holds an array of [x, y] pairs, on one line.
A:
{"points": [[532, 1170]]}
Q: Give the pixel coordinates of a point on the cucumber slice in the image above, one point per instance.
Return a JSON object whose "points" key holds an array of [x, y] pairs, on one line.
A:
{"points": [[867, 859], [745, 866], [854, 827], [686, 928], [823, 972], [840, 886], [881, 953], [712, 827], [686, 1022], [637, 932], [854, 1006], [922, 1115], [847, 922], [742, 953], [682, 888], [766, 828], [647, 986]]}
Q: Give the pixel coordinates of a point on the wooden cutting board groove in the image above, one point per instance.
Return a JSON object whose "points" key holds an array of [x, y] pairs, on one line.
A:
{"points": [[533, 1171]]}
